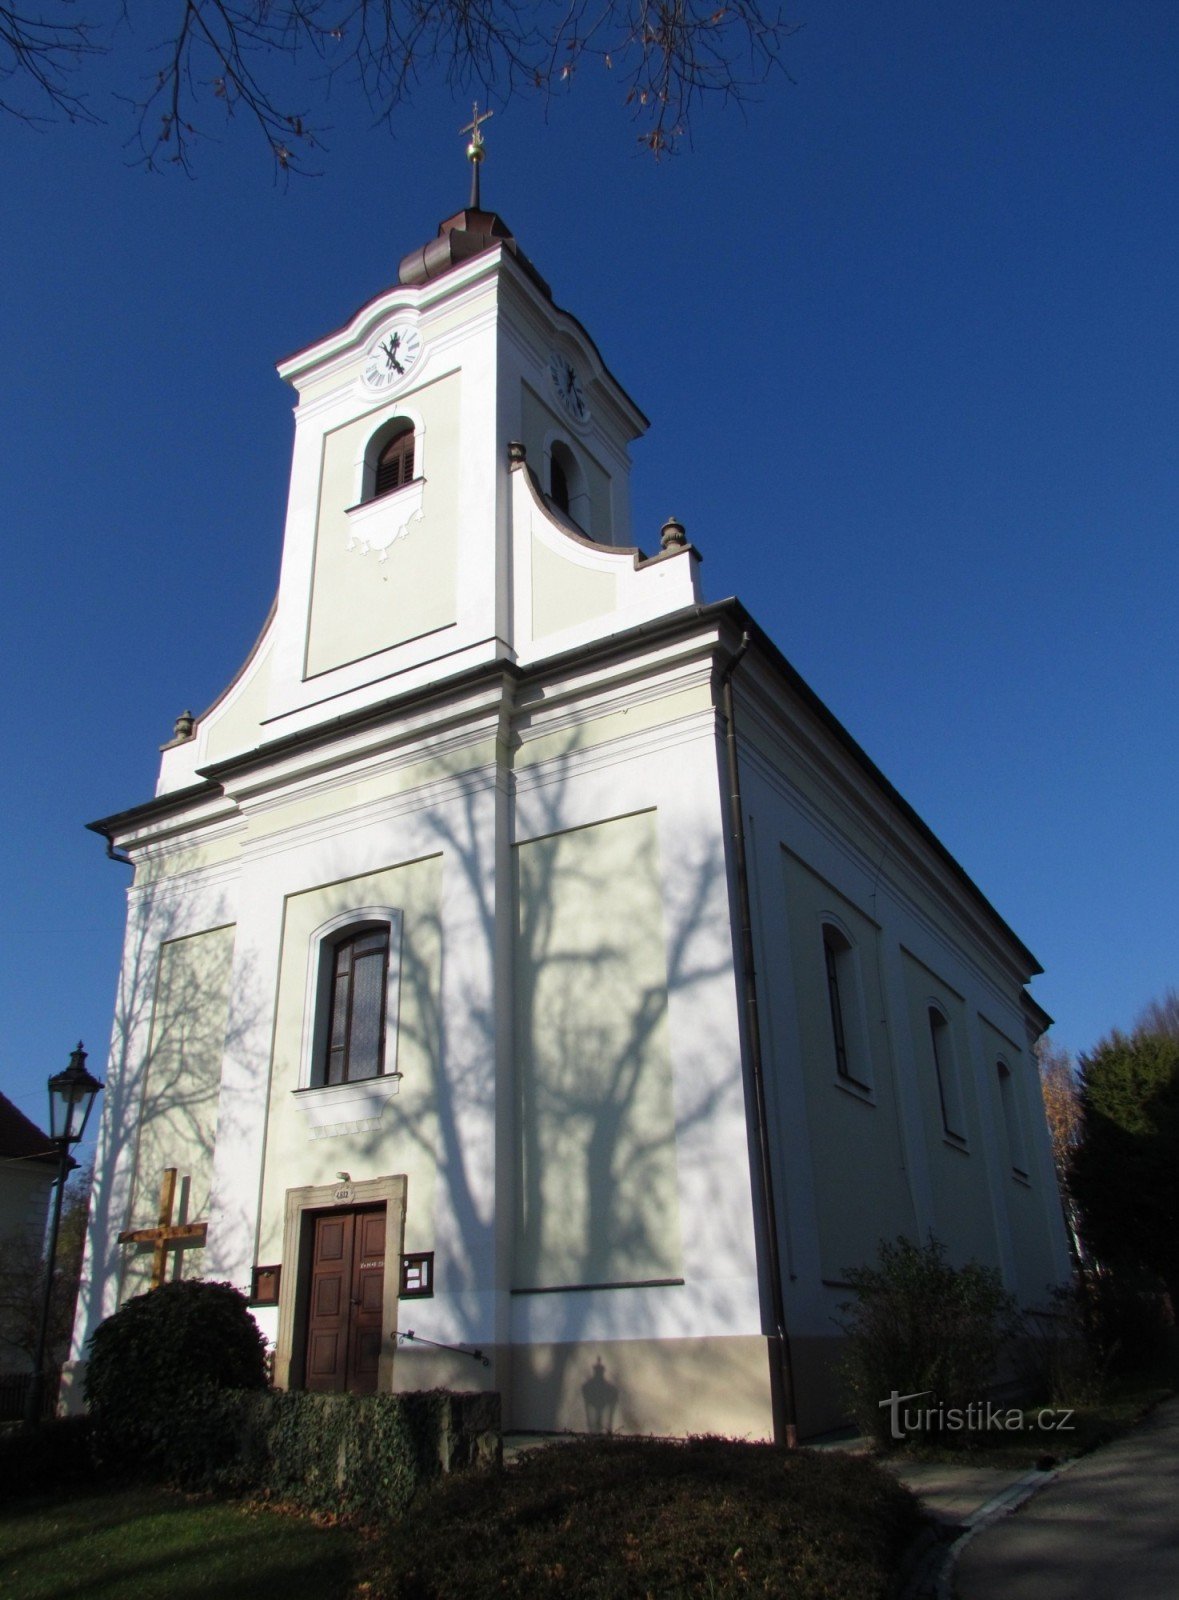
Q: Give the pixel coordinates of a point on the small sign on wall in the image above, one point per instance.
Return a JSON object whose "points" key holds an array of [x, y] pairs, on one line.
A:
{"points": [[417, 1276], [264, 1286]]}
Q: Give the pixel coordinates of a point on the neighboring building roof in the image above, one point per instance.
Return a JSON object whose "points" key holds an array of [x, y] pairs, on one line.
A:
{"points": [[21, 1139]]}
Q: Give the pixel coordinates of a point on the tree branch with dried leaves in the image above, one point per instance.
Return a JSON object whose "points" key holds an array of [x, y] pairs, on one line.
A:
{"points": [[271, 60]]}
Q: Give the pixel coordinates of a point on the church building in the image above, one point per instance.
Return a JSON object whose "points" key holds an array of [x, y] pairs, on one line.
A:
{"points": [[523, 966]]}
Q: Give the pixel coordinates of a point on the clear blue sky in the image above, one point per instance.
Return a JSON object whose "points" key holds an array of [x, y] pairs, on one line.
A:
{"points": [[922, 306]]}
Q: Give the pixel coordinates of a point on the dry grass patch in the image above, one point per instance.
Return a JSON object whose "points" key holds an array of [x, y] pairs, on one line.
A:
{"points": [[607, 1519]]}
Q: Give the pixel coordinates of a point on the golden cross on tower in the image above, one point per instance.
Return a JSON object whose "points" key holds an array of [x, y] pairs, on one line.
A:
{"points": [[166, 1234], [475, 150]]}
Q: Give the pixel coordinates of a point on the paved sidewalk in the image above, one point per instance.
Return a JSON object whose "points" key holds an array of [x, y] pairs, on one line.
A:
{"points": [[955, 1494], [1107, 1526]]}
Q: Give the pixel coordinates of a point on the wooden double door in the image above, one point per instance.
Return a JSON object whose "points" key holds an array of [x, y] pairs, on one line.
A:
{"points": [[344, 1322]]}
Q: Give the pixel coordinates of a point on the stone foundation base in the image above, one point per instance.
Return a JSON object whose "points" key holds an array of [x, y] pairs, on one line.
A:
{"points": [[668, 1387]]}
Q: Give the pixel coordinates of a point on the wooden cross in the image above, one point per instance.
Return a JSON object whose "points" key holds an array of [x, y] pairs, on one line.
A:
{"points": [[166, 1234]]}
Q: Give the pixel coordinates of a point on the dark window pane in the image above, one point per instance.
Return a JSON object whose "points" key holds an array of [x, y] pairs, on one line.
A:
{"points": [[836, 1008], [341, 998], [368, 1016], [559, 486], [356, 1023]]}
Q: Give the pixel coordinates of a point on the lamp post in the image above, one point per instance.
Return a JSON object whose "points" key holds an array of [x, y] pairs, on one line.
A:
{"points": [[71, 1095]]}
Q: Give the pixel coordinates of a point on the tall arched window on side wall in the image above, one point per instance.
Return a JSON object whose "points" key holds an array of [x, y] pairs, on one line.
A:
{"points": [[355, 1044], [393, 467]]}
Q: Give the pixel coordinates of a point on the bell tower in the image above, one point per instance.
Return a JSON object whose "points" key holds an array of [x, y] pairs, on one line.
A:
{"points": [[402, 561]]}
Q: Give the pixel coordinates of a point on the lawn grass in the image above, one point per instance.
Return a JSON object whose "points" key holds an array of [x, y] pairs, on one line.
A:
{"points": [[1034, 1445], [148, 1544]]}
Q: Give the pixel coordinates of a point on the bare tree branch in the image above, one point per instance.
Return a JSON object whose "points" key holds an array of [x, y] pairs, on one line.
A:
{"points": [[37, 56], [251, 56]]}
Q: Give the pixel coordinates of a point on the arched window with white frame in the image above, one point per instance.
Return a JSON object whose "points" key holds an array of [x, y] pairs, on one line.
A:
{"points": [[353, 999]]}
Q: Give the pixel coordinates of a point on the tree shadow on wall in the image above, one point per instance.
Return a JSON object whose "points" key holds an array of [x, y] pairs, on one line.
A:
{"points": [[161, 1103]]}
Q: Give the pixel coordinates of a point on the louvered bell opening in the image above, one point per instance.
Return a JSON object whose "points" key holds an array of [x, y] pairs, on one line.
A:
{"points": [[395, 464]]}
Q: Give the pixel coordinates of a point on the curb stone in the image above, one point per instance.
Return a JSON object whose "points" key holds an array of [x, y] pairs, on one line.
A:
{"points": [[928, 1565]]}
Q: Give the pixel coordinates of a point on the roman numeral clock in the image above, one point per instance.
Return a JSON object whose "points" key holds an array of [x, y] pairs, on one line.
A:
{"points": [[391, 357]]}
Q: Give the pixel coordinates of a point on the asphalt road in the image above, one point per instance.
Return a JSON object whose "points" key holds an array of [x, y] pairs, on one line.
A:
{"points": [[1108, 1527]]}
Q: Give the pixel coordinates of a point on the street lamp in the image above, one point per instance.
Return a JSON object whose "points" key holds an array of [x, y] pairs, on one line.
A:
{"points": [[71, 1095]]}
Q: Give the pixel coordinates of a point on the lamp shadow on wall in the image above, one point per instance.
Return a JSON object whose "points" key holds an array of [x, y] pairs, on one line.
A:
{"points": [[601, 1400]]}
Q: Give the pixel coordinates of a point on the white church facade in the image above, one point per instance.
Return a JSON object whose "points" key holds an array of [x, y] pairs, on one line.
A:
{"points": [[519, 954]]}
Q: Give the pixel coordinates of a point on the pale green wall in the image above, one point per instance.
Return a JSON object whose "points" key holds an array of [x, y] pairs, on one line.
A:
{"points": [[210, 853], [361, 604], [598, 1200], [178, 1125], [855, 1143], [564, 593], [407, 1139], [962, 1217]]}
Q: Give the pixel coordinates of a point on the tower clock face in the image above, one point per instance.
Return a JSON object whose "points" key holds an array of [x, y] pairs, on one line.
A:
{"points": [[392, 356], [568, 387]]}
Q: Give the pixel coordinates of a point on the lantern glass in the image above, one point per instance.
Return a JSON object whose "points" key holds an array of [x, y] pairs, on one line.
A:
{"points": [[71, 1095]]}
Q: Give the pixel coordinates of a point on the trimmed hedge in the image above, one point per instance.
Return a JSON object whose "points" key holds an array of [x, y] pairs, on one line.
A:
{"points": [[360, 1457], [364, 1458]]}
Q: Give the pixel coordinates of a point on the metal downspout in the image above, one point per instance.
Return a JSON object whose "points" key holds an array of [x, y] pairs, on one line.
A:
{"points": [[782, 1398]]}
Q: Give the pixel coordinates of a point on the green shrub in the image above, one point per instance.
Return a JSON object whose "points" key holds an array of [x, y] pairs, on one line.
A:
{"points": [[919, 1326], [612, 1519], [156, 1368]]}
